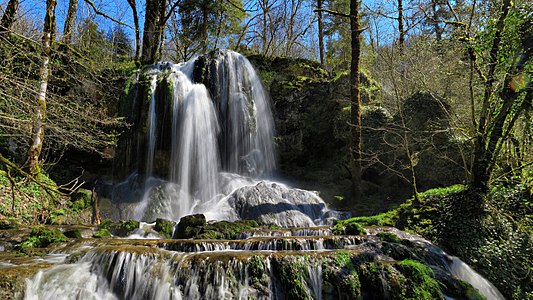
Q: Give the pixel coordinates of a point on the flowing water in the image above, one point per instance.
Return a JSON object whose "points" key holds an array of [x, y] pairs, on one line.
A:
{"points": [[219, 161], [219, 150]]}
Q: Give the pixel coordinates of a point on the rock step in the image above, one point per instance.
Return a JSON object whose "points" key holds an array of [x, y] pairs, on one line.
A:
{"points": [[270, 243]]}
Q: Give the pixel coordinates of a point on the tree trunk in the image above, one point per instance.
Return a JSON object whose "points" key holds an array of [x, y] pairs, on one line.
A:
{"points": [[137, 30], [40, 110], [355, 115], [481, 165], [69, 21], [401, 30], [321, 34], [151, 36], [9, 15]]}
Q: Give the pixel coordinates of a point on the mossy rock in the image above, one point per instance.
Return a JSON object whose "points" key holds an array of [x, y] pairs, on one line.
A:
{"points": [[226, 230], [102, 233], [290, 272], [122, 228], [164, 227], [81, 200], [421, 280], [8, 224], [189, 226], [348, 227], [41, 236], [388, 237]]}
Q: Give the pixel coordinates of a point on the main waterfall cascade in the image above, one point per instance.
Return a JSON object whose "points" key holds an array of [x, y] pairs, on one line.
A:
{"points": [[221, 141]]}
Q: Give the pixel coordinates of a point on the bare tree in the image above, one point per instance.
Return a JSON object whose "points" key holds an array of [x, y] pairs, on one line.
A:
{"points": [[69, 21], [40, 108], [133, 6]]}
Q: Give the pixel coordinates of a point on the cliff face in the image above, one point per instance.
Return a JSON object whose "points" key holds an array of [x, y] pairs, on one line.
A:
{"points": [[311, 113]]}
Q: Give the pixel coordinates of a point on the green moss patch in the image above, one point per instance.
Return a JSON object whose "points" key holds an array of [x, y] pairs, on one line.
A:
{"points": [[41, 236]]}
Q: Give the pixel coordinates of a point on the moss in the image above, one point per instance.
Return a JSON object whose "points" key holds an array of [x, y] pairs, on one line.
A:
{"points": [[257, 269], [101, 233], [389, 237], [81, 200], [41, 237], [291, 275], [225, 229], [423, 282], [164, 227], [441, 192], [383, 219], [124, 228], [348, 227]]}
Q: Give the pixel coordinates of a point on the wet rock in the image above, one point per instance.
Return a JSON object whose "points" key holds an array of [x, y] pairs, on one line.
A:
{"points": [[189, 226], [272, 203], [164, 227]]}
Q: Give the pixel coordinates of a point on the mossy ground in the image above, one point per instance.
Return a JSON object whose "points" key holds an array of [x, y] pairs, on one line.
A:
{"points": [[494, 236]]}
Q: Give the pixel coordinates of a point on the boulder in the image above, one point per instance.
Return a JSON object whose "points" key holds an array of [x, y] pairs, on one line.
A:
{"points": [[188, 226]]}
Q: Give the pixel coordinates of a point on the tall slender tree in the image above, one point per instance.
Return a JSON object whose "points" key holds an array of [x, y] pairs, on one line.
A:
{"points": [[69, 21], [40, 106], [401, 30], [355, 97], [321, 34]]}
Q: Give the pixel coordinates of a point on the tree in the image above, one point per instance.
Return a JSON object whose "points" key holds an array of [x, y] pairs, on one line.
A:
{"points": [[133, 7], [152, 34], [121, 43], [69, 21], [401, 30], [321, 34], [502, 103], [40, 108], [9, 15], [355, 98]]}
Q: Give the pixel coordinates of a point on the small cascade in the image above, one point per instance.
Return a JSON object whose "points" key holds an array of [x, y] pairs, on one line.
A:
{"points": [[259, 268], [464, 272], [151, 127]]}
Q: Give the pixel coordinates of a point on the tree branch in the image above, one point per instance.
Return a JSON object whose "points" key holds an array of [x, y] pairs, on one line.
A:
{"points": [[98, 12], [332, 12]]}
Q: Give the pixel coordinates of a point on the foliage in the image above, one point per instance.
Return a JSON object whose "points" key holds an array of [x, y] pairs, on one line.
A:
{"points": [[205, 25], [102, 233], [41, 237], [165, 227], [491, 241], [382, 219], [425, 286]]}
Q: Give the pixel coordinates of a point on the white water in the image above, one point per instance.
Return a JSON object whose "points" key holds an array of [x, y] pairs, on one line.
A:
{"points": [[221, 146], [463, 271], [152, 127]]}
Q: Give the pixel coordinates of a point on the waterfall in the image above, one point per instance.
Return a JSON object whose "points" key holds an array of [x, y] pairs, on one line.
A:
{"points": [[152, 127], [208, 125]]}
